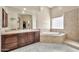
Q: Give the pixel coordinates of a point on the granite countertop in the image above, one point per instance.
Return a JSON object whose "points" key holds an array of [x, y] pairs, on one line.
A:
{"points": [[17, 31]]}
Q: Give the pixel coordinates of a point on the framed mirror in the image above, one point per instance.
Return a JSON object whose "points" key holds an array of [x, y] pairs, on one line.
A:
{"points": [[25, 21], [4, 18]]}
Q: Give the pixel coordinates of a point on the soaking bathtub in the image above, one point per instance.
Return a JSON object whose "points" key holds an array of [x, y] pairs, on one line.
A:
{"points": [[52, 37]]}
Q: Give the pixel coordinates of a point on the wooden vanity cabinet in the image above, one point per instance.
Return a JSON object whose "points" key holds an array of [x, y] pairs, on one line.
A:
{"points": [[13, 41], [9, 42]]}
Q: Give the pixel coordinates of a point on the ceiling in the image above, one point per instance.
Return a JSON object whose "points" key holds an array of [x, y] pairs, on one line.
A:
{"points": [[32, 9], [36, 8]]}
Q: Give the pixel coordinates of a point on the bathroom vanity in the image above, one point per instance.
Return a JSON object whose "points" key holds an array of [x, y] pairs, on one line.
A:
{"points": [[15, 39]]}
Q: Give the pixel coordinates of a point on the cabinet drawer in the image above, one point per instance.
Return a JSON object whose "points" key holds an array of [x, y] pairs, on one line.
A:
{"points": [[37, 36], [22, 39], [9, 46], [10, 39]]}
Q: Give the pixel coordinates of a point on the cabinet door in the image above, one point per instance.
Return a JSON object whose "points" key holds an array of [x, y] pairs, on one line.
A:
{"points": [[37, 36], [26, 38], [8, 42], [2, 43], [31, 37], [21, 39], [9, 46], [10, 39]]}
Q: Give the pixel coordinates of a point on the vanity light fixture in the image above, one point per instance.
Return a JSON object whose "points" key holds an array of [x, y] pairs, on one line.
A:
{"points": [[24, 8], [28, 22]]}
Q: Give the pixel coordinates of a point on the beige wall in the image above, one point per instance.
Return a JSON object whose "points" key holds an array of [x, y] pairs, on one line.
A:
{"points": [[43, 19], [71, 20], [11, 14], [60, 10]]}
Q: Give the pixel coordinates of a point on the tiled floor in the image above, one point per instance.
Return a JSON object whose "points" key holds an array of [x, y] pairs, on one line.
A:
{"points": [[46, 47]]}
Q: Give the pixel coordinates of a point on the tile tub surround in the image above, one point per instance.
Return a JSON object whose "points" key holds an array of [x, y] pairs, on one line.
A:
{"points": [[46, 47], [52, 37]]}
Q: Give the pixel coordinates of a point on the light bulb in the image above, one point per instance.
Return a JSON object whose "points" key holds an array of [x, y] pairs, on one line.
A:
{"points": [[24, 8]]}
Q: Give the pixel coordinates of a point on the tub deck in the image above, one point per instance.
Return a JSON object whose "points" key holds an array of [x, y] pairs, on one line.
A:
{"points": [[52, 37]]}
